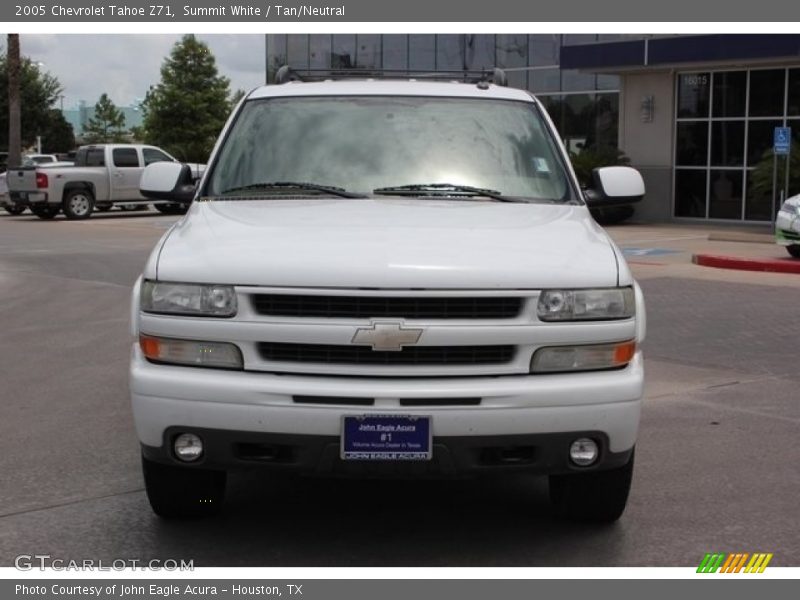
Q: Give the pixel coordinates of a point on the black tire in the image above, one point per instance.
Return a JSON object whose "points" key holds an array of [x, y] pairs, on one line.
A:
{"points": [[794, 250], [15, 209], [179, 492], [172, 209], [78, 204], [596, 497], [612, 215], [46, 211]]}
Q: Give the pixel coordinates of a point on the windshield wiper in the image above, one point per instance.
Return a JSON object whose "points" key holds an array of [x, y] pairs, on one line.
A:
{"points": [[442, 189], [296, 185]]}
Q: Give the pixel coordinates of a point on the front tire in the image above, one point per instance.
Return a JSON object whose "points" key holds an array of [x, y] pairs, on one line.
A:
{"points": [[794, 250], [172, 209], [45, 211], [180, 492], [78, 204], [596, 497]]}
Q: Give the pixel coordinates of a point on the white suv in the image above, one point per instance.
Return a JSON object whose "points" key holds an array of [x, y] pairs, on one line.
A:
{"points": [[393, 278]]}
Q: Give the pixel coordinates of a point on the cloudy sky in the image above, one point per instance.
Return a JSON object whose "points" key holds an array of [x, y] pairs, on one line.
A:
{"points": [[124, 66]]}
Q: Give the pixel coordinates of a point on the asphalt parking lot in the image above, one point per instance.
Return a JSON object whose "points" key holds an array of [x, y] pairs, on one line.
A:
{"points": [[716, 463]]}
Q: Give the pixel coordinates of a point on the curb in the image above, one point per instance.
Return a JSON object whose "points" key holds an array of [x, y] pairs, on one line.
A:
{"points": [[767, 265]]}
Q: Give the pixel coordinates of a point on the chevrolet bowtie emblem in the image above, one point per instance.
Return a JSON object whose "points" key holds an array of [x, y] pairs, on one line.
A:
{"points": [[386, 336]]}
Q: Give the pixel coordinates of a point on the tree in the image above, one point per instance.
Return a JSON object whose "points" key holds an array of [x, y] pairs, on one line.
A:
{"points": [[14, 115], [185, 112], [58, 135], [38, 95], [107, 124]]}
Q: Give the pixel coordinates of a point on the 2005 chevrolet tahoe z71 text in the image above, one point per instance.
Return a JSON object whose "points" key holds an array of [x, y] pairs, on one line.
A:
{"points": [[393, 277]]}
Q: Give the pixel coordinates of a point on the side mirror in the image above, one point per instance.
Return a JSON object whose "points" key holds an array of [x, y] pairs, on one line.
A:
{"points": [[614, 186], [168, 181]]}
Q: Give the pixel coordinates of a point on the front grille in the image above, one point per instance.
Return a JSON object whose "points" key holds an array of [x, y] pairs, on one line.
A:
{"points": [[363, 355], [366, 307], [791, 235]]}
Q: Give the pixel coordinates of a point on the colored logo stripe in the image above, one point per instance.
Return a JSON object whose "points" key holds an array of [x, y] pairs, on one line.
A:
{"points": [[758, 563], [710, 563], [733, 563]]}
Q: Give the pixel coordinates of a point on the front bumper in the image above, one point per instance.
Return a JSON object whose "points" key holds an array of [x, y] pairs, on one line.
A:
{"points": [[530, 420], [787, 228]]}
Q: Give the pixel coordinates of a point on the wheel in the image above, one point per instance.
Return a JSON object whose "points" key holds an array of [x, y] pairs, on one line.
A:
{"points": [[78, 204], [14, 209], [794, 250], [103, 207], [46, 211], [172, 209], [176, 492], [612, 215], [597, 497]]}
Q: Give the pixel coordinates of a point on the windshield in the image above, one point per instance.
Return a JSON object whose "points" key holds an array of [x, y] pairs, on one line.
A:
{"points": [[364, 143]]}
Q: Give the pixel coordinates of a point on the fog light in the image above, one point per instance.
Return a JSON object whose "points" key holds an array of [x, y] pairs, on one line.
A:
{"points": [[583, 452], [188, 447]]}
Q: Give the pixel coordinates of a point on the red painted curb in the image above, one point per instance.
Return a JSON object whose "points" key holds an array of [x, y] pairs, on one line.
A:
{"points": [[768, 265]]}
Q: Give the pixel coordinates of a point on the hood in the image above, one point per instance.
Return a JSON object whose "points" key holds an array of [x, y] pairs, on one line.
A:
{"points": [[388, 243]]}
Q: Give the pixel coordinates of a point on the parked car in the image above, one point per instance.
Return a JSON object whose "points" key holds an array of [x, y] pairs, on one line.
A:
{"points": [[393, 278], [102, 176], [38, 159], [5, 200], [787, 226]]}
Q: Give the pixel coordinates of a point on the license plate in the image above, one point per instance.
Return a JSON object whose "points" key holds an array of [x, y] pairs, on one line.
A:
{"points": [[386, 437]]}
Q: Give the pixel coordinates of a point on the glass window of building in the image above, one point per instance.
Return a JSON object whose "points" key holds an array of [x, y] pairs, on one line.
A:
{"points": [[725, 122], [276, 55], [544, 50], [729, 94], [319, 51], [479, 52], [449, 52], [577, 81], [343, 51], [793, 108], [694, 91], [368, 51], [395, 52], [544, 80], [512, 54], [297, 51], [766, 92], [421, 52]]}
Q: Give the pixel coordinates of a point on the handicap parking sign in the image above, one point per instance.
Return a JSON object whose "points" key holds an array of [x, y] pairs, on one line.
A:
{"points": [[782, 140]]}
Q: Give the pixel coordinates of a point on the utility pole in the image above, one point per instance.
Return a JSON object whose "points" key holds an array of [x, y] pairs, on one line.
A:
{"points": [[14, 118]]}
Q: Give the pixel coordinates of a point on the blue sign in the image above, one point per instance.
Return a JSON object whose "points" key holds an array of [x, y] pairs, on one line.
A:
{"points": [[386, 437], [782, 141]]}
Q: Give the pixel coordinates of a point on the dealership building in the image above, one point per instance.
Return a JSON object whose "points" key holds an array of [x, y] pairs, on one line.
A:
{"points": [[695, 114]]}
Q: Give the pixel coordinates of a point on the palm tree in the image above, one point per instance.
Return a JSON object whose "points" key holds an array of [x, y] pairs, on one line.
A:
{"points": [[14, 119]]}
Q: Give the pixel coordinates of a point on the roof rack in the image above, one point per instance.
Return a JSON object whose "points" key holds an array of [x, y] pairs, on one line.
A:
{"points": [[494, 75]]}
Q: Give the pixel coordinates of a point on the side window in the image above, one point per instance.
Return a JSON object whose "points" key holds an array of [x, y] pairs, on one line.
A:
{"points": [[151, 155], [95, 157], [125, 157]]}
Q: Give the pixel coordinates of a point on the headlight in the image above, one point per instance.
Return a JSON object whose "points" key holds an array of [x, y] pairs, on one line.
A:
{"points": [[586, 305], [188, 299], [791, 208], [594, 357], [220, 355]]}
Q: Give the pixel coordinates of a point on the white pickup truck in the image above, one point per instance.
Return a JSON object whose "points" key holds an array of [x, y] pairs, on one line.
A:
{"points": [[103, 175], [388, 278]]}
